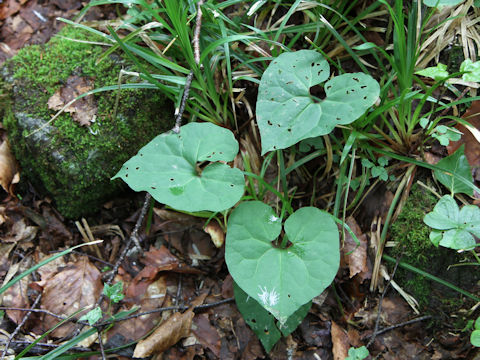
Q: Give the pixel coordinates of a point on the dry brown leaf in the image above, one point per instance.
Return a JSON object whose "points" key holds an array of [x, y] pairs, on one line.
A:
{"points": [[77, 286], [472, 146], [161, 259], [83, 110], [152, 298], [340, 342], [355, 256], [20, 232], [8, 8], [16, 295], [216, 233], [9, 174], [48, 270], [206, 334], [169, 333]]}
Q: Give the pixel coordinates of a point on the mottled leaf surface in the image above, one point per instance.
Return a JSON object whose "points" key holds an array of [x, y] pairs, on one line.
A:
{"points": [[281, 280], [167, 167], [286, 111]]}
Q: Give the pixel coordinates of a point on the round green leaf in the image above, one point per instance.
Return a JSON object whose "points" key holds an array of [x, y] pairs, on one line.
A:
{"points": [[167, 168], [281, 280], [475, 338], [445, 214], [287, 113], [459, 224]]}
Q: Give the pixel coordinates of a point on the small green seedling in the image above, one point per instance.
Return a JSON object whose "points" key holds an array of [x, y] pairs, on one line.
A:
{"points": [[288, 113], [442, 133], [472, 70], [475, 336], [357, 353], [455, 164], [168, 167], [454, 228], [263, 323], [92, 316], [437, 73], [114, 292], [377, 170], [281, 277]]}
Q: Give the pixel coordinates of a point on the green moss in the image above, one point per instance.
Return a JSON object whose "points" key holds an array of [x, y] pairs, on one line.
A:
{"points": [[415, 248], [76, 162]]}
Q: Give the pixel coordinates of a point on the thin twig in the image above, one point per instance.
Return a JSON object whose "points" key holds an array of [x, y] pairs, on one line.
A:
{"points": [[188, 81], [45, 345], [17, 329], [409, 322], [102, 351], [375, 330], [104, 323]]}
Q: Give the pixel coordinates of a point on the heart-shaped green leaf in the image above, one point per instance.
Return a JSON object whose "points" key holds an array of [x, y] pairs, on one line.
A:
{"points": [[456, 164], [262, 322], [167, 168], [287, 113], [454, 227], [281, 280]]}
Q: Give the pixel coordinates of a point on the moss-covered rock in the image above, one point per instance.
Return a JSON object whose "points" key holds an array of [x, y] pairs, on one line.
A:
{"points": [[71, 162], [415, 248]]}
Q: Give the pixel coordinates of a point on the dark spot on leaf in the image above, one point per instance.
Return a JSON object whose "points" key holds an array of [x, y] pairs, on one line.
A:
{"points": [[289, 295], [153, 187], [253, 321], [213, 153], [320, 72], [289, 130], [306, 77], [266, 331], [141, 154], [338, 119], [220, 152], [356, 79], [352, 90], [363, 86], [294, 66], [137, 168], [126, 168], [278, 125], [313, 64], [172, 179], [209, 156], [269, 123], [126, 175], [329, 87], [348, 92], [274, 148], [275, 62], [231, 185], [272, 99], [365, 98], [289, 82], [279, 71]]}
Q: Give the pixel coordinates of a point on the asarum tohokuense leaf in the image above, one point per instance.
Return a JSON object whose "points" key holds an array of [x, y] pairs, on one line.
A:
{"points": [[287, 112], [281, 279], [167, 167], [262, 322]]}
